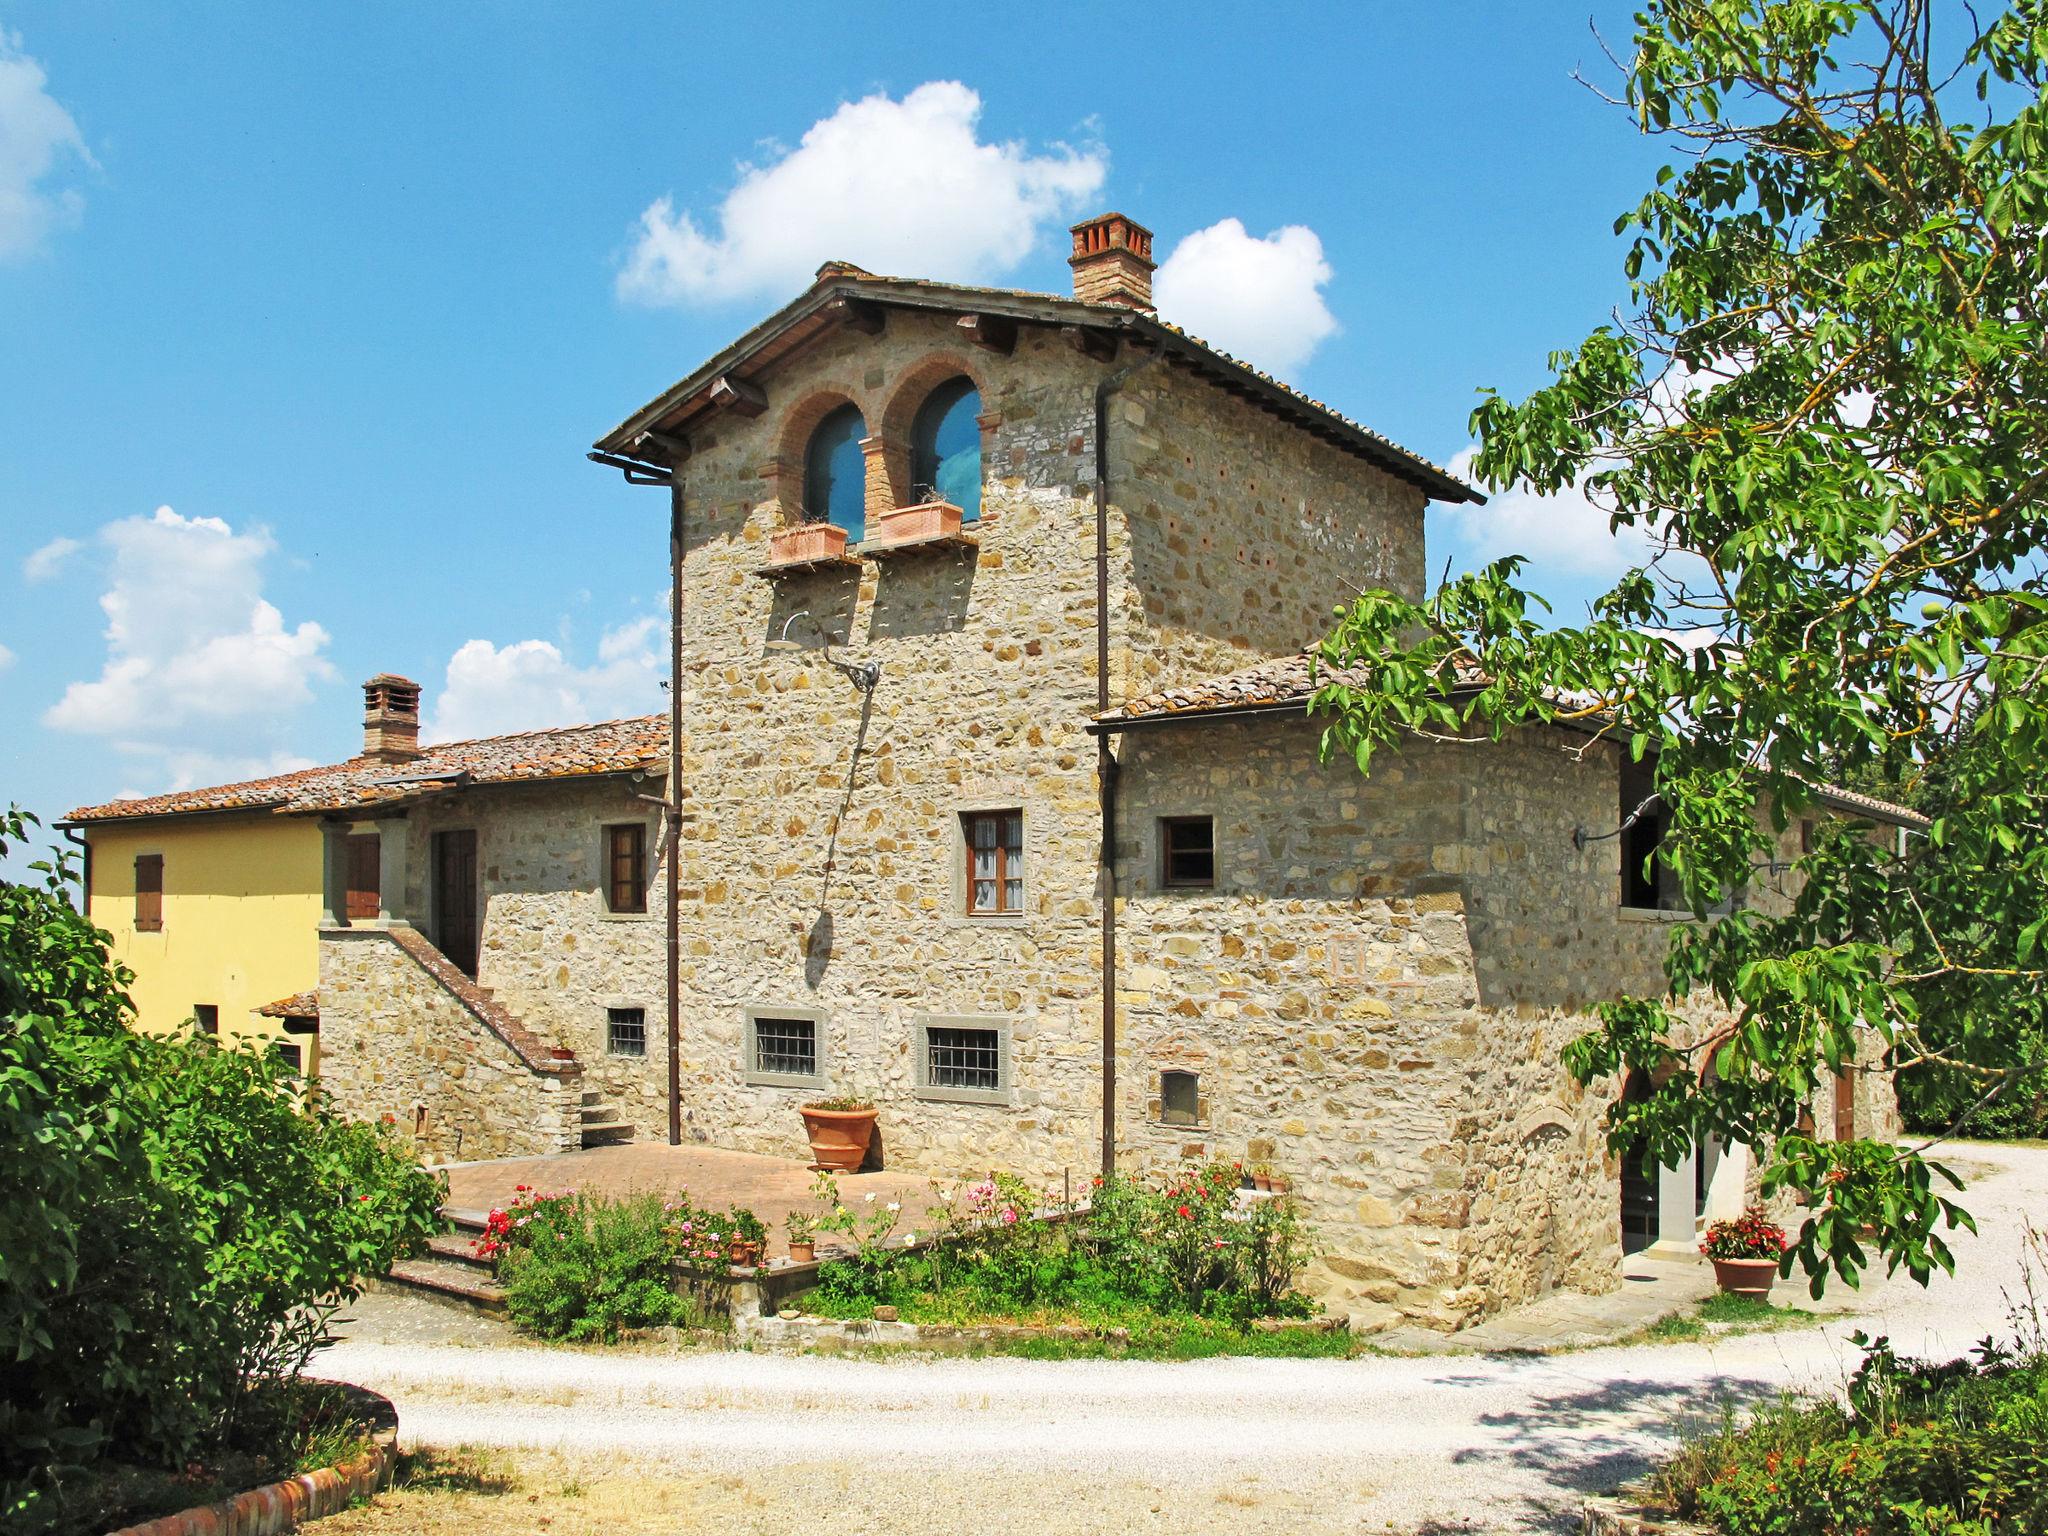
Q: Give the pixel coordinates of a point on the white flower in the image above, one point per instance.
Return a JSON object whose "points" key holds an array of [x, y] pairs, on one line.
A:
{"points": [[894, 1205], [869, 1197]]}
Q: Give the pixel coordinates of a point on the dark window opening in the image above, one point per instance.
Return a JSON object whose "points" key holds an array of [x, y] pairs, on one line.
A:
{"points": [[945, 447], [288, 1052], [1187, 851], [207, 1016], [1180, 1098], [625, 855], [835, 472], [786, 1047], [625, 1031], [1646, 880], [995, 862], [957, 1057], [149, 893]]}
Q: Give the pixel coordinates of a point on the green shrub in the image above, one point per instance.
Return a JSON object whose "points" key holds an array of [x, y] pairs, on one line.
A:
{"points": [[583, 1267], [1959, 1449], [176, 1224], [1181, 1246]]}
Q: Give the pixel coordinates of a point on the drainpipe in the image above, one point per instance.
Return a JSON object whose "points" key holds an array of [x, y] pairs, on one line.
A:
{"points": [[640, 472], [1105, 756]]}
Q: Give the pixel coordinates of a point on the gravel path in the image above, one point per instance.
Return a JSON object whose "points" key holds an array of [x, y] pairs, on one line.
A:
{"points": [[1450, 1443]]}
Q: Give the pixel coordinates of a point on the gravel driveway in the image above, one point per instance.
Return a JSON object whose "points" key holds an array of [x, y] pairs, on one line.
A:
{"points": [[1450, 1443]]}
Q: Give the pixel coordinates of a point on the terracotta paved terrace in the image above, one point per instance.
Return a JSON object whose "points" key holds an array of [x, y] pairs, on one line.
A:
{"points": [[771, 1187]]}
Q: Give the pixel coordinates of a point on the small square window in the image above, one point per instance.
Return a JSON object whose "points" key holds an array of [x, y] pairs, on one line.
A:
{"points": [[995, 862], [207, 1016], [1187, 851], [785, 1048], [625, 1031], [963, 1060], [288, 1052], [625, 867], [1180, 1098]]}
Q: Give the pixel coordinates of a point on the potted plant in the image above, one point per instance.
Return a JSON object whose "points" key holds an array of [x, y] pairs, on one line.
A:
{"points": [[934, 519], [1745, 1252], [747, 1236], [800, 542], [840, 1130], [803, 1237], [1262, 1175]]}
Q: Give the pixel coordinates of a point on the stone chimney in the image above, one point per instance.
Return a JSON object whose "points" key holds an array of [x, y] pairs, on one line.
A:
{"points": [[391, 719], [1112, 262]]}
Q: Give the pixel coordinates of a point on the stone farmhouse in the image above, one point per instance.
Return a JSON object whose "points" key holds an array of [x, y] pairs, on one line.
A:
{"points": [[994, 798]]}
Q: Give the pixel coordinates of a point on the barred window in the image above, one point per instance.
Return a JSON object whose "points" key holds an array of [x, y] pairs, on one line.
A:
{"points": [[785, 1048], [1180, 1098], [1187, 851], [626, 1031], [995, 862], [964, 1060], [288, 1052]]}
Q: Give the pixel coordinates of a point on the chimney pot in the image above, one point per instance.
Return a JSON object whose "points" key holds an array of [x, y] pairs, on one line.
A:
{"points": [[391, 719], [1112, 262]]}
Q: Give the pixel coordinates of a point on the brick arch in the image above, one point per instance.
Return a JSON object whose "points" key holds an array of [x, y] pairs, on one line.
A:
{"points": [[900, 411], [785, 471]]}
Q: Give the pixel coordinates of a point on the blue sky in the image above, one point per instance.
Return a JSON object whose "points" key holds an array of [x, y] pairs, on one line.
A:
{"points": [[349, 297]]}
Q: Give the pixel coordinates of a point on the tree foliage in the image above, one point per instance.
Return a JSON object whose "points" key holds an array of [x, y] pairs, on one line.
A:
{"points": [[1826, 400], [178, 1221]]}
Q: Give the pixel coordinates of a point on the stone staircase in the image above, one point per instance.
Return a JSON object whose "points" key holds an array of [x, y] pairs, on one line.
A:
{"points": [[602, 1126], [449, 1271]]}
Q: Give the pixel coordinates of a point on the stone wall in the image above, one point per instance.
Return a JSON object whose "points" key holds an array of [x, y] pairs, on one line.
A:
{"points": [[399, 1040], [550, 950]]}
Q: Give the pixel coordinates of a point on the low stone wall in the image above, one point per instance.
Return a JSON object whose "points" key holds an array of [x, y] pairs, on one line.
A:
{"points": [[405, 1037]]}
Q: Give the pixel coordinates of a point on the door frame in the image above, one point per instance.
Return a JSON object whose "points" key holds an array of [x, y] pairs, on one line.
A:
{"points": [[435, 891]]}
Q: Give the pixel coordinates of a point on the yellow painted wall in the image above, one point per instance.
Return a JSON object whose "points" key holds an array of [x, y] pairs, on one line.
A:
{"points": [[241, 913]]}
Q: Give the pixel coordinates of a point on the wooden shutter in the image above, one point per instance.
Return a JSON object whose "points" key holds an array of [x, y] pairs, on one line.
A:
{"points": [[149, 893], [365, 875], [626, 867]]}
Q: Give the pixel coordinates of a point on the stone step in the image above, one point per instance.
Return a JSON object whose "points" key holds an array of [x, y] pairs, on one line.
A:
{"points": [[446, 1281], [458, 1248], [592, 1097], [599, 1114], [464, 1220], [606, 1134]]}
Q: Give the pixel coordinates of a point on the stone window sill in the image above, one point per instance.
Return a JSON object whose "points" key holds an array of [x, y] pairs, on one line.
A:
{"points": [[1652, 915], [628, 917]]}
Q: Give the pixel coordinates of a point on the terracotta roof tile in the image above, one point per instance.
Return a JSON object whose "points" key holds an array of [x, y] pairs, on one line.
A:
{"points": [[561, 752], [300, 1005], [1285, 682]]}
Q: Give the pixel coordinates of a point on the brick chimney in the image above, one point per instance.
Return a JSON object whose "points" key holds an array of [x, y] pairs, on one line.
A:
{"points": [[1112, 262], [391, 719]]}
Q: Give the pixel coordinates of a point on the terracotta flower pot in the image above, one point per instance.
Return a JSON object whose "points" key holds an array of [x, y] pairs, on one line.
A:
{"points": [[839, 1137], [1746, 1277], [803, 1251], [926, 520], [806, 541], [1262, 1181], [744, 1253]]}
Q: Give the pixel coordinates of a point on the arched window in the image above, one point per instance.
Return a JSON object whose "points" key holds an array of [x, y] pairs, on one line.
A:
{"points": [[835, 472], [945, 446]]}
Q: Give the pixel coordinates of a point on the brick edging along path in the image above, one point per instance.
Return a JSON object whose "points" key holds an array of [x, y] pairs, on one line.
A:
{"points": [[288, 1503]]}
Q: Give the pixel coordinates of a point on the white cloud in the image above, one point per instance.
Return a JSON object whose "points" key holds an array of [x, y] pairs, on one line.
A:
{"points": [[491, 690], [35, 134], [47, 561], [1563, 535], [1259, 299], [905, 187], [6, 658], [201, 671]]}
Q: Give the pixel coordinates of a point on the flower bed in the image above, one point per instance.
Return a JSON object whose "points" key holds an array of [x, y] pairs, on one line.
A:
{"points": [[1141, 1254], [1912, 1449]]}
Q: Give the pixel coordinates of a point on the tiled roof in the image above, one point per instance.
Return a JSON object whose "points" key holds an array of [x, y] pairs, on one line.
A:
{"points": [[1284, 683], [562, 752], [300, 1005], [758, 349]]}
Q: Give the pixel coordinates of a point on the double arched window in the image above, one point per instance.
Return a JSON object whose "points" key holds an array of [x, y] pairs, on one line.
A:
{"points": [[945, 447], [835, 471]]}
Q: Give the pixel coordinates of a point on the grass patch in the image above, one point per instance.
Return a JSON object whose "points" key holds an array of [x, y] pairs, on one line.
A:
{"points": [[1719, 1316]]}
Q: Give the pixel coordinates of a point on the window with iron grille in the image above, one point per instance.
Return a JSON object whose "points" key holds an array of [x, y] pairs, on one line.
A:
{"points": [[785, 1048], [625, 1031], [625, 867], [1187, 851], [964, 1060], [995, 862], [288, 1052], [1180, 1098]]}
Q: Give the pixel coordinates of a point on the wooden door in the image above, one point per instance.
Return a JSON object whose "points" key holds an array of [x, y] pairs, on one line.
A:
{"points": [[1845, 1106], [455, 914], [364, 875]]}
